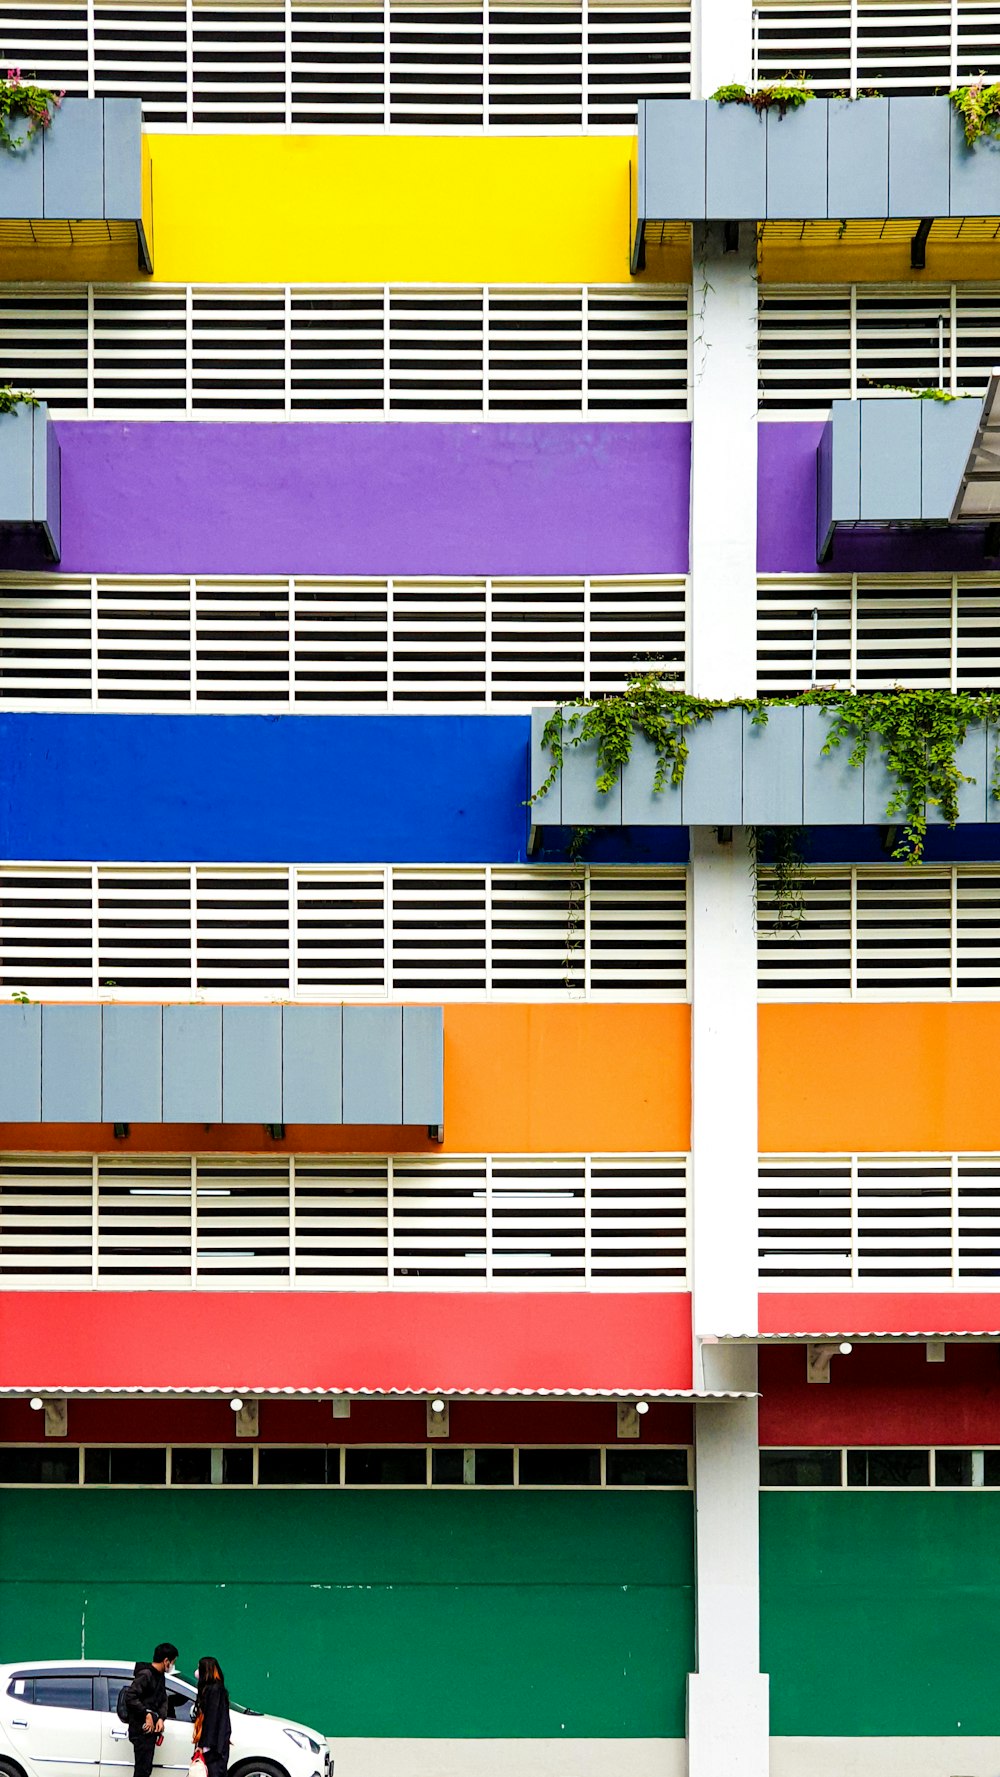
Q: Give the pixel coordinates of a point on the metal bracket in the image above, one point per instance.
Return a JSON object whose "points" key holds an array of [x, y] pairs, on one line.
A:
{"points": [[122, 1131], [818, 1360], [276, 1131], [628, 1420], [918, 245], [341, 1407], [437, 1422], [435, 1132], [56, 1417], [248, 1420], [730, 237]]}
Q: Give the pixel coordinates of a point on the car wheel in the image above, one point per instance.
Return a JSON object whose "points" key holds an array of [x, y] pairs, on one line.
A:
{"points": [[9, 1769], [258, 1767]]}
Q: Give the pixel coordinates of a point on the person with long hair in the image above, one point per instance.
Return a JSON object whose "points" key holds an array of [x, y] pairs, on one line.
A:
{"points": [[212, 1726]]}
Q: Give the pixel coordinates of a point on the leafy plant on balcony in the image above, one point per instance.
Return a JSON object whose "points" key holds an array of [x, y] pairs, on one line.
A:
{"points": [[919, 733], [786, 94], [12, 399], [20, 99], [978, 105]]}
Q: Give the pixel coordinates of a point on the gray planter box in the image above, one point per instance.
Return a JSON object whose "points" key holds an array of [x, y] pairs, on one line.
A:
{"points": [[222, 1064], [892, 461], [740, 773], [88, 168], [29, 480], [831, 160]]}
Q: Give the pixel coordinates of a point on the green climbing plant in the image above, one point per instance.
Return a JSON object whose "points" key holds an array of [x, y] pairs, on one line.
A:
{"points": [[786, 94], [12, 399], [978, 105], [34, 105]]}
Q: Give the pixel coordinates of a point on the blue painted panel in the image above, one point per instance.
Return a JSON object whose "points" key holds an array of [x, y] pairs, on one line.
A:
{"points": [[975, 173], [583, 805], [73, 163], [642, 805], [192, 1064], [228, 788], [132, 1064], [845, 460], [373, 1064], [890, 459], [20, 1064], [21, 178], [71, 1064], [919, 152], [772, 770], [858, 170], [712, 792], [311, 1062], [16, 466], [796, 162], [948, 429], [735, 170], [122, 158], [833, 790], [251, 1064], [423, 1064], [672, 138]]}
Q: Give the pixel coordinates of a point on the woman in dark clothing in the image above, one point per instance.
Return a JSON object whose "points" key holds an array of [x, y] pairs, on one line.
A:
{"points": [[211, 1716]]}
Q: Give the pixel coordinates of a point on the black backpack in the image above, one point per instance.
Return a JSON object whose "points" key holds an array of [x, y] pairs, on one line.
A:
{"points": [[120, 1707]]}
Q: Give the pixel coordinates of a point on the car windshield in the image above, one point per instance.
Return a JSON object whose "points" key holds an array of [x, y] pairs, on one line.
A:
{"points": [[240, 1708]]}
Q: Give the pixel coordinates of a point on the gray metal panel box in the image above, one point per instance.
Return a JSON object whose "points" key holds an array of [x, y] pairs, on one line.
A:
{"points": [[21, 177], [735, 164], [890, 459], [20, 1064], [71, 1064], [975, 173], [672, 148], [548, 811], [29, 476], [312, 1064], [919, 153], [948, 429], [971, 759], [642, 805], [712, 791], [992, 802], [582, 803], [373, 1064], [423, 1065], [73, 162], [796, 162], [858, 164], [772, 769], [192, 1064], [132, 1064], [122, 163], [833, 790], [880, 787], [251, 1064]]}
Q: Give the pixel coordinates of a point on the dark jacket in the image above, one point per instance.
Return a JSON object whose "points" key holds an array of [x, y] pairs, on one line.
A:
{"points": [[215, 1726], [146, 1695]]}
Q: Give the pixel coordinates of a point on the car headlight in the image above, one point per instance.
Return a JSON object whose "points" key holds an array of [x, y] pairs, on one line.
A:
{"points": [[304, 1742]]}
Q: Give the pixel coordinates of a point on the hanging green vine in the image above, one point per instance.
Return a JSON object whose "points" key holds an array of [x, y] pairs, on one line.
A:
{"points": [[786, 94], [12, 399], [918, 731], [978, 105]]}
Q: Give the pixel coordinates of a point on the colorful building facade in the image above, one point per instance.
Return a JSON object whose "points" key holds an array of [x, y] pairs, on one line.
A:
{"points": [[538, 1305]]}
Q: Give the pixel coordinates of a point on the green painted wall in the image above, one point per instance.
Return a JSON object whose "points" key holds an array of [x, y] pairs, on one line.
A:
{"points": [[426, 1614], [880, 1612]]}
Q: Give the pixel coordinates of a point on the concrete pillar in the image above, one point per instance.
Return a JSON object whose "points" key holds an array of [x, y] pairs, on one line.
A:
{"points": [[721, 44]]}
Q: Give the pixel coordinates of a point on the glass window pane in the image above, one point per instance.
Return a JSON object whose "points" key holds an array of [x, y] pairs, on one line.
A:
{"points": [[64, 1693], [237, 1468], [647, 1468], [494, 1468], [293, 1468], [191, 1468], [991, 1468], [953, 1468], [125, 1468], [800, 1468], [888, 1468], [386, 1468], [448, 1467], [42, 1466], [559, 1468]]}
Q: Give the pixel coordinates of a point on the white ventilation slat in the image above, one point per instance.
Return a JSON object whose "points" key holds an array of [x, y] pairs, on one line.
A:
{"points": [[895, 46], [357, 1222], [266, 643], [173, 931]]}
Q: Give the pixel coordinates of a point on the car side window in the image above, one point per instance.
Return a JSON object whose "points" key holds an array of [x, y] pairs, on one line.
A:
{"points": [[180, 1705], [64, 1692]]}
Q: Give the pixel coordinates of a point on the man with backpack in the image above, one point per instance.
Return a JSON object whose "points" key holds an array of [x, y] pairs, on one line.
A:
{"points": [[143, 1704]]}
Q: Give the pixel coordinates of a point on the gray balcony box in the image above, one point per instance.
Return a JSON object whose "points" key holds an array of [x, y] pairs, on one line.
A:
{"points": [[222, 1064], [898, 461], [85, 180], [831, 160], [29, 480], [742, 773]]}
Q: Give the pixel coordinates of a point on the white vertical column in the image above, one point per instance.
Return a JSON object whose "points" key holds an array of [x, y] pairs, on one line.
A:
{"points": [[727, 1694]]}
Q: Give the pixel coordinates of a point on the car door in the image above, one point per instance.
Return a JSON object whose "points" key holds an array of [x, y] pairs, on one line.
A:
{"points": [[116, 1750], [54, 1721]]}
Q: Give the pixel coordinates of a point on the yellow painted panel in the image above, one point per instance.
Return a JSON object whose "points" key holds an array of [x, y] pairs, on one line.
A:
{"points": [[383, 209]]}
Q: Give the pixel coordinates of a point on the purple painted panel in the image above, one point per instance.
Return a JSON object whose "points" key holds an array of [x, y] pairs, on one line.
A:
{"points": [[786, 519], [167, 497]]}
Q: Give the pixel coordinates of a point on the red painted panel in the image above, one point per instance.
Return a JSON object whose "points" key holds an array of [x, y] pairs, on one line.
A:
{"points": [[344, 1340], [882, 1394], [892, 1312]]}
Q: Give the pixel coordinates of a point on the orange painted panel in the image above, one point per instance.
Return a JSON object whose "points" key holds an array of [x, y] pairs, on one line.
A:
{"points": [[870, 1079], [518, 1079]]}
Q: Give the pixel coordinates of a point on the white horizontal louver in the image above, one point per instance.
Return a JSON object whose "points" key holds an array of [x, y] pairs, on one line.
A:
{"points": [[361, 66], [816, 344], [355, 1222], [940, 630], [896, 46], [267, 643], [895, 933], [500, 932], [878, 1221], [349, 351]]}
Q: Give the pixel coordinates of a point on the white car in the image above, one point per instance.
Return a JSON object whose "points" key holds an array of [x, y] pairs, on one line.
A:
{"points": [[58, 1718]]}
